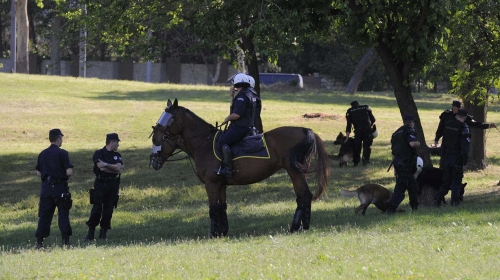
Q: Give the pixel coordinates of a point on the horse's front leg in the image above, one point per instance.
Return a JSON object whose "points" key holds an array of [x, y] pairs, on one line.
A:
{"points": [[223, 223], [213, 192]]}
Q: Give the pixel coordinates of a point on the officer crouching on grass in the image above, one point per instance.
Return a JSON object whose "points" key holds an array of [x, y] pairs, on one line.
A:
{"points": [[54, 168], [108, 166]]}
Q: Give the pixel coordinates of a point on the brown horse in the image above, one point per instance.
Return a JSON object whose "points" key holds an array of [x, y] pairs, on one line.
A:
{"points": [[291, 148]]}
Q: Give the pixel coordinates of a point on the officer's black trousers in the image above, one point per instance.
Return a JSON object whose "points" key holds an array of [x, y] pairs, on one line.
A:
{"points": [[404, 182], [50, 198], [362, 138], [452, 177], [105, 197]]}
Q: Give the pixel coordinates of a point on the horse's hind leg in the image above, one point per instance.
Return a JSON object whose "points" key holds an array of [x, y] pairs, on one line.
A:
{"points": [[302, 217]]}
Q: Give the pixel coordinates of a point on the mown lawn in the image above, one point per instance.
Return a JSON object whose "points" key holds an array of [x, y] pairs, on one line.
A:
{"points": [[160, 229]]}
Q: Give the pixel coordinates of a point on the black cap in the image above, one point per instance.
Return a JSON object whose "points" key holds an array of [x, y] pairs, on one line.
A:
{"points": [[462, 112], [408, 117], [354, 103], [53, 133], [112, 136], [456, 103]]}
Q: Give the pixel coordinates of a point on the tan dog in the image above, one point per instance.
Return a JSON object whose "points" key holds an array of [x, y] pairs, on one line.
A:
{"points": [[368, 194]]}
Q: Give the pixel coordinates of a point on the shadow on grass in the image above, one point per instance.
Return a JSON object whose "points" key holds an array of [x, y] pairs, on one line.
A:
{"points": [[178, 215], [180, 225]]}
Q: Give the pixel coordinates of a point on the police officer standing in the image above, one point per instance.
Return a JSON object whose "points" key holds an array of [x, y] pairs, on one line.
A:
{"points": [[54, 168], [404, 158], [108, 166], [361, 117], [244, 113], [449, 115], [455, 150]]}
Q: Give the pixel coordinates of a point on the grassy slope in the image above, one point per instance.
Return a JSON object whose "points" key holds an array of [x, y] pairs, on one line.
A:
{"points": [[160, 227]]}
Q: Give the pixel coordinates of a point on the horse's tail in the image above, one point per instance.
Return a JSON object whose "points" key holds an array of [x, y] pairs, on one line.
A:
{"points": [[300, 160]]}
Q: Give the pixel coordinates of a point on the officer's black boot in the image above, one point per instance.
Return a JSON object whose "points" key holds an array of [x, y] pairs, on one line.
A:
{"points": [[102, 233], [226, 169], [39, 243], [437, 203], [90, 234], [391, 210]]}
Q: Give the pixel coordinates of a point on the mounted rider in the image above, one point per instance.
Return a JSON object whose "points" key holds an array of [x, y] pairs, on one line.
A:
{"points": [[244, 113]]}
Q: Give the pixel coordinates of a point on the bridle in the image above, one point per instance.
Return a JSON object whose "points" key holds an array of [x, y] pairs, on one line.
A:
{"points": [[168, 120]]}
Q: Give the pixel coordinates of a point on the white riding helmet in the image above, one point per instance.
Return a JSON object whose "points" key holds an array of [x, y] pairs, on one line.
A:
{"points": [[375, 134], [420, 165], [241, 80], [252, 81]]}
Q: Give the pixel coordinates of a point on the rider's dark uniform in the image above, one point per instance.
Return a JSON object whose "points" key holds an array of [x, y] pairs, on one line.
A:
{"points": [[52, 164], [247, 105], [405, 163], [454, 150], [361, 117]]}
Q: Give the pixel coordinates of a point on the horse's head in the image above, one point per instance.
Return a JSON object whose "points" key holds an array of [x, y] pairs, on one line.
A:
{"points": [[165, 136]]}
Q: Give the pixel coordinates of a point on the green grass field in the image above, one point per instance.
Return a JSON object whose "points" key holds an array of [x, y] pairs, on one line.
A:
{"points": [[160, 229]]}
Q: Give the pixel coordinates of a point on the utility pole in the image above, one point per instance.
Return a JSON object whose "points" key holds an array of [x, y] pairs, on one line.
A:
{"points": [[13, 38], [149, 63], [82, 67]]}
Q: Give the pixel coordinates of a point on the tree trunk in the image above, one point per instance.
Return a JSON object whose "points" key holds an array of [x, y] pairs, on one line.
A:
{"points": [[357, 76], [55, 40], [22, 34], [477, 153], [213, 69], [399, 72]]}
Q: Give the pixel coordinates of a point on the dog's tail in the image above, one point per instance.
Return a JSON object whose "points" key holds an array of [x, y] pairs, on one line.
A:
{"points": [[346, 193]]}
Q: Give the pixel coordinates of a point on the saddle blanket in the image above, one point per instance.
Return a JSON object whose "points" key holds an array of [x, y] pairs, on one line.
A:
{"points": [[249, 147]]}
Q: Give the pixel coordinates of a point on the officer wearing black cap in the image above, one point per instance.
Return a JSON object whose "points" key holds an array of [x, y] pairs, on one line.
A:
{"points": [[361, 117], [404, 157], [54, 168], [455, 150], [449, 115], [108, 166]]}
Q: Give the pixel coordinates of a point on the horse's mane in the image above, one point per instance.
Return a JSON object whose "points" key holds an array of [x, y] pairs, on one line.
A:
{"points": [[194, 116]]}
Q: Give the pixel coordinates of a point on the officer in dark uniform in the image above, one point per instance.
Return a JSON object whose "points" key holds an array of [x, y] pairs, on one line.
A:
{"points": [[108, 166], [244, 112], [404, 158], [455, 149], [54, 168], [361, 117], [449, 115]]}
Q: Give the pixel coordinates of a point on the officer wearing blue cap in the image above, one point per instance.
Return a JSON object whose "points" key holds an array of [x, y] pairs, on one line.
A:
{"points": [[54, 168], [404, 157], [455, 151], [361, 118], [108, 166]]}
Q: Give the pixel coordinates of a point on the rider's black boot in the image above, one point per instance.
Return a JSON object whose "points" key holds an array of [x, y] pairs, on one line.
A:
{"points": [[226, 169]]}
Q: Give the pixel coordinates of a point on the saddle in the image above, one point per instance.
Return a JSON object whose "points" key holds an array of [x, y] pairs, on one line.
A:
{"points": [[253, 146]]}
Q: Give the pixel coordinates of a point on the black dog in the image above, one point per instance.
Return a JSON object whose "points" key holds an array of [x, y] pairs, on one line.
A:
{"points": [[346, 149], [433, 177]]}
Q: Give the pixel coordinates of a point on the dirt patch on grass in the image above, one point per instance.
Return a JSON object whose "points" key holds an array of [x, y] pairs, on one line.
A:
{"points": [[321, 116]]}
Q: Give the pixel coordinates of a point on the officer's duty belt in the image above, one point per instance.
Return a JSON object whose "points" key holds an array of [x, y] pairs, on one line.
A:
{"points": [[53, 181], [107, 179]]}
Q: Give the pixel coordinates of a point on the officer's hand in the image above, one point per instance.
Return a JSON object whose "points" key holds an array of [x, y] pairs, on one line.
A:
{"points": [[435, 144], [492, 125]]}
